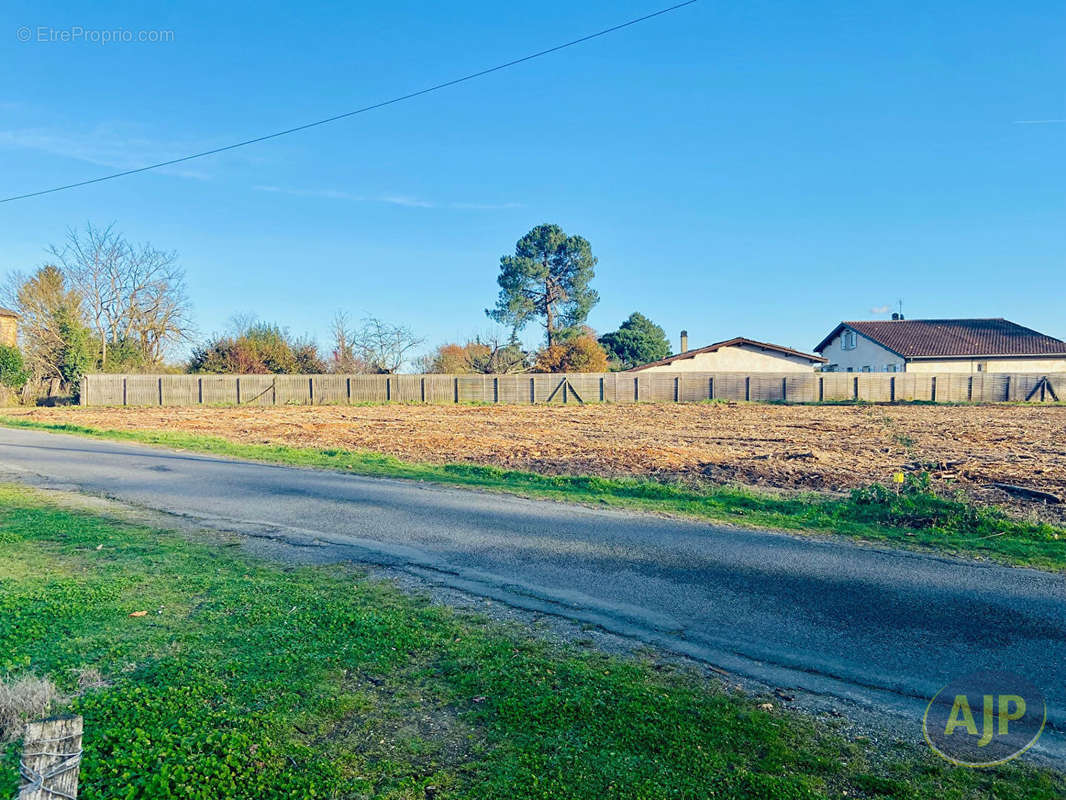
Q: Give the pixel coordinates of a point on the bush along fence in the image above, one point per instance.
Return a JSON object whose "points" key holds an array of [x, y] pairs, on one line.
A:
{"points": [[640, 387]]}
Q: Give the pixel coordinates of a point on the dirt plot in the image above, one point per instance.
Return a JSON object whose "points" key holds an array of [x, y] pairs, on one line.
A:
{"points": [[825, 448]]}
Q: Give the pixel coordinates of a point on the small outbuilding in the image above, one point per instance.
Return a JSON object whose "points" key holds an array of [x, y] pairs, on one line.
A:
{"points": [[734, 355], [9, 328], [940, 345]]}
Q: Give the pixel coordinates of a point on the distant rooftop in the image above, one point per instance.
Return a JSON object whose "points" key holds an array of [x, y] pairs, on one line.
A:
{"points": [[947, 338], [739, 340]]}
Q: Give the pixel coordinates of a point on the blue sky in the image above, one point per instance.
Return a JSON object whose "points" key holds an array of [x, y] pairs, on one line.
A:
{"points": [[763, 169]]}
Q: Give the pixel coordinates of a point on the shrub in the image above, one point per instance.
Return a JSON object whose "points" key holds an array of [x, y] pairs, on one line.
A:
{"points": [[477, 357], [13, 372], [917, 506], [261, 348], [79, 353], [581, 353], [126, 355]]}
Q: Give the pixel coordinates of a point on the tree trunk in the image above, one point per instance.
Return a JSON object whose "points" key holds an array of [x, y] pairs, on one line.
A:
{"points": [[548, 309]]}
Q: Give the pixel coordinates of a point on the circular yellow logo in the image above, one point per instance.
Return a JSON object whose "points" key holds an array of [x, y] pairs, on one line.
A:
{"points": [[984, 718]]}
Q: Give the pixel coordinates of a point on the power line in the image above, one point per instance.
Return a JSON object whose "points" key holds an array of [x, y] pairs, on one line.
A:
{"points": [[363, 110]]}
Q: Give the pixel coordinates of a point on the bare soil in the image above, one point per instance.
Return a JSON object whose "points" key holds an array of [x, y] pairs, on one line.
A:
{"points": [[822, 448]]}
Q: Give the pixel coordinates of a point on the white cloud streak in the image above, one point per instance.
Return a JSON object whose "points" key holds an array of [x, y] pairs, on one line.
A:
{"points": [[402, 200], [115, 145], [331, 194]]}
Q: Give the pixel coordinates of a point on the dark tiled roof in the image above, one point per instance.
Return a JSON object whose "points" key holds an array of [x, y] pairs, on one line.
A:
{"points": [[946, 338], [739, 340], [7, 312]]}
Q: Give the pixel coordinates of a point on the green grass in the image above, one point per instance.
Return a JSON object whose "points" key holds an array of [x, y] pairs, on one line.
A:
{"points": [[253, 680], [917, 518]]}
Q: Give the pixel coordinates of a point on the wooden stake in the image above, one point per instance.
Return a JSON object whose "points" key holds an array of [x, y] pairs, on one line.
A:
{"points": [[51, 755]]}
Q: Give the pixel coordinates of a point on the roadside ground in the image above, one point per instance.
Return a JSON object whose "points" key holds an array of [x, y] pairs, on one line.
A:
{"points": [[916, 513], [248, 678]]}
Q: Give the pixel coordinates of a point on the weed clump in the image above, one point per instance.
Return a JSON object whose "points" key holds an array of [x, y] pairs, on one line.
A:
{"points": [[915, 505], [21, 700]]}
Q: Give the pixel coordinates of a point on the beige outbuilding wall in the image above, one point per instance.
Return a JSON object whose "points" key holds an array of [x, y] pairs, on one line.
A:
{"points": [[736, 358], [999, 365]]}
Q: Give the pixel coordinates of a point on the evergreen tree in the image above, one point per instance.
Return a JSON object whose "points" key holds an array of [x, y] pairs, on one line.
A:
{"points": [[637, 341], [548, 279]]}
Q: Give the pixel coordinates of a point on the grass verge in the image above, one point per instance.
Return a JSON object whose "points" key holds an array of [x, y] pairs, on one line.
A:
{"points": [[246, 679], [915, 517]]}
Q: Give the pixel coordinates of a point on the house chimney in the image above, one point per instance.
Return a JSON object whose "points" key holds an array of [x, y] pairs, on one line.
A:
{"points": [[684, 342]]}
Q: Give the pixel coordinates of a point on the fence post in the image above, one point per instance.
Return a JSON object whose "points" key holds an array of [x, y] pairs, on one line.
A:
{"points": [[422, 389], [123, 391], [821, 389], [784, 390], [51, 756], [1006, 397], [747, 388], [932, 389], [892, 389], [457, 391], [710, 388]]}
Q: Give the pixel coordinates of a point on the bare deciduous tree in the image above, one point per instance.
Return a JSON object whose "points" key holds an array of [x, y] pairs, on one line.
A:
{"points": [[375, 346], [131, 293], [493, 356], [344, 359]]}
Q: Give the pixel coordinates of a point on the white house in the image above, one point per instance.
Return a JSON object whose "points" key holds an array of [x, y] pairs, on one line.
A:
{"points": [[734, 355], [940, 345]]}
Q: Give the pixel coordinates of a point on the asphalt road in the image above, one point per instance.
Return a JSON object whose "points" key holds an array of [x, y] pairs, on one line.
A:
{"points": [[876, 626]]}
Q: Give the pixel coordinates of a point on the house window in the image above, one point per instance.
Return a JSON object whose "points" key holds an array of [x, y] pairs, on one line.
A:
{"points": [[982, 366], [848, 340], [851, 369], [866, 369], [890, 367]]}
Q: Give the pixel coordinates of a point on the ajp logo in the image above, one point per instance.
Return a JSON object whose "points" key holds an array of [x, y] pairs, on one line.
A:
{"points": [[984, 718]]}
